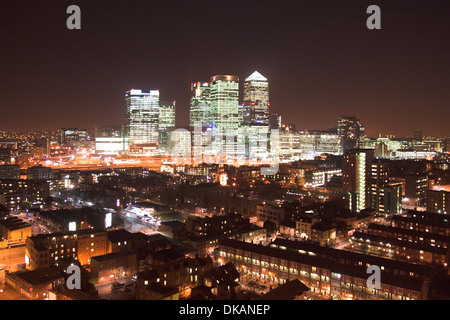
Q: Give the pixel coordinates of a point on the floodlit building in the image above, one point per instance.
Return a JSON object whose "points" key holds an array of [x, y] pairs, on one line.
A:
{"points": [[355, 177], [338, 274], [166, 124], [227, 144], [256, 99], [142, 117], [109, 145], [200, 104]]}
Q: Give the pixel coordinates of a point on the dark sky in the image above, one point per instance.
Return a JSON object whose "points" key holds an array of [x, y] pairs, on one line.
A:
{"points": [[319, 57]]}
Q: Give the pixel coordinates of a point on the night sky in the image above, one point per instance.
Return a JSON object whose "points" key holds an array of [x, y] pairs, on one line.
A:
{"points": [[319, 57]]}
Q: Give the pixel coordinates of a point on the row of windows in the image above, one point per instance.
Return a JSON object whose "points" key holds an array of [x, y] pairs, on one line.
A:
{"points": [[335, 277]]}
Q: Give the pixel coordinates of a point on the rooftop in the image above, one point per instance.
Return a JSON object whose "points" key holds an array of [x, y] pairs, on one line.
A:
{"points": [[109, 256], [287, 291], [256, 76], [36, 277], [173, 224]]}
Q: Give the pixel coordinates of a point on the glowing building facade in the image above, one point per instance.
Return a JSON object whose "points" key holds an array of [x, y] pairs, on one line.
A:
{"points": [[142, 117], [227, 143], [256, 99], [200, 104], [356, 177], [166, 124]]}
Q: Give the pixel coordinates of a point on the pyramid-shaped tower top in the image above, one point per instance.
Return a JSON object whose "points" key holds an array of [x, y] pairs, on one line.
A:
{"points": [[256, 76]]}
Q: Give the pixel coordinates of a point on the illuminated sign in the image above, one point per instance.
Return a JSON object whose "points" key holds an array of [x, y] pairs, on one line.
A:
{"points": [[108, 220], [223, 179], [72, 226], [201, 211]]}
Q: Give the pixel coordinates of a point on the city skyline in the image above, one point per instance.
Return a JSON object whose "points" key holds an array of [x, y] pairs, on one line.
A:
{"points": [[318, 66], [225, 151]]}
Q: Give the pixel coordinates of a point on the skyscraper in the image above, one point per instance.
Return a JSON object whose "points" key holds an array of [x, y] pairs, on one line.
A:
{"points": [[255, 116], [200, 104], [166, 117], [225, 102], [256, 99], [351, 131], [356, 177], [225, 116], [166, 123], [142, 116]]}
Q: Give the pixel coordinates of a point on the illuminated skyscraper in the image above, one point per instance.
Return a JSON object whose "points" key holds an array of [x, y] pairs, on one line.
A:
{"points": [[256, 116], [225, 102], [166, 115], [356, 177], [200, 104], [166, 123], [351, 132], [225, 115], [142, 116], [256, 99]]}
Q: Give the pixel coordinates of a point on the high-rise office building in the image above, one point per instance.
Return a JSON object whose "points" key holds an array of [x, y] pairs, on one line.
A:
{"points": [[110, 141], [142, 116], [225, 117], [166, 124], [200, 104], [351, 131], [166, 115], [256, 99], [255, 117]]}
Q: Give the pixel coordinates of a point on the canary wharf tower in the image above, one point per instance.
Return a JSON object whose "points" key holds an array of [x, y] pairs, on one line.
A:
{"points": [[256, 116], [256, 99]]}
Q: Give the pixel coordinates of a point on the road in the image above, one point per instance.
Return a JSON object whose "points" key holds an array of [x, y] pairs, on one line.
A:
{"points": [[105, 291], [133, 224]]}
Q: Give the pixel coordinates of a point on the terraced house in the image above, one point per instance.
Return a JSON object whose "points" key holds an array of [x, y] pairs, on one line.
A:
{"points": [[329, 272]]}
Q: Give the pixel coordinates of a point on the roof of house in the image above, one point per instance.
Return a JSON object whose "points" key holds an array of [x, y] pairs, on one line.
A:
{"points": [[119, 235], [286, 291], [109, 256], [161, 289], [173, 224], [402, 231], [37, 277], [400, 243]]}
